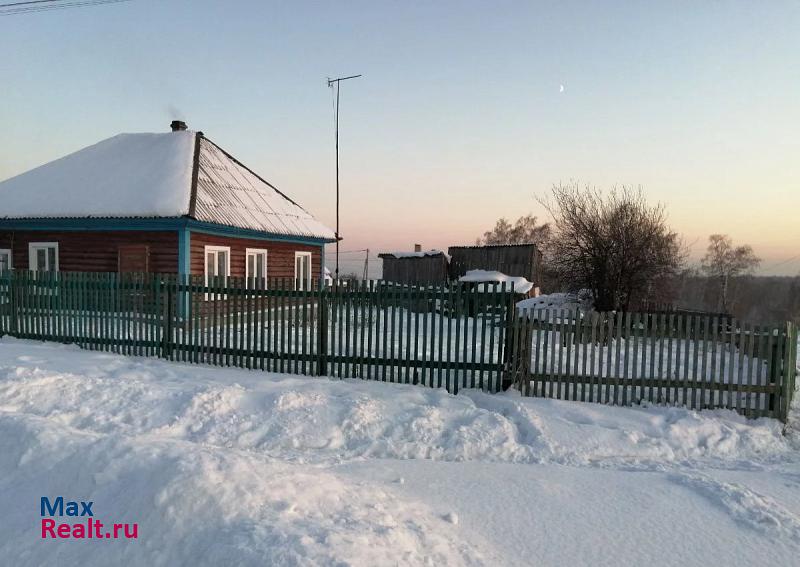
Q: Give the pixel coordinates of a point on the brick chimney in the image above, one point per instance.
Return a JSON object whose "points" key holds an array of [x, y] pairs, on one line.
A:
{"points": [[178, 125]]}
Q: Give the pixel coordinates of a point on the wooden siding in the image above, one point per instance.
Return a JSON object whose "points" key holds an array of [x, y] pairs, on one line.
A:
{"points": [[95, 251], [134, 258], [415, 270], [280, 255], [518, 260]]}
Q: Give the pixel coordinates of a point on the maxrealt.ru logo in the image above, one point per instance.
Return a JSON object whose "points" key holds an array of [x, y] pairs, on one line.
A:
{"points": [[88, 528]]}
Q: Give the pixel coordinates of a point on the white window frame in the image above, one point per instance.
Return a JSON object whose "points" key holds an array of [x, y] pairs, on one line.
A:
{"points": [[7, 251], [33, 247], [255, 252], [310, 270], [206, 250]]}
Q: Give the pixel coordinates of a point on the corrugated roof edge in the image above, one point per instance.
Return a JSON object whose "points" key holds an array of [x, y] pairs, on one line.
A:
{"points": [[422, 254], [236, 161], [195, 172], [493, 246], [146, 223], [92, 217]]}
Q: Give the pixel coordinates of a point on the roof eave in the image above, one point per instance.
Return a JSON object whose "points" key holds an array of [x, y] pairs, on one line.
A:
{"points": [[150, 223]]}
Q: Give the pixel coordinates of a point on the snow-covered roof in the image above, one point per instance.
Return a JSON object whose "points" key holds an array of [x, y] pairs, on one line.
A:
{"points": [[521, 285], [129, 175], [152, 175], [412, 254]]}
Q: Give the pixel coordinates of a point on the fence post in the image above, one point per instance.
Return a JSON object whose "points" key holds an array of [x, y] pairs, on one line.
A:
{"points": [[523, 351], [13, 316], [168, 314], [792, 364], [509, 355], [788, 372], [775, 374], [322, 333]]}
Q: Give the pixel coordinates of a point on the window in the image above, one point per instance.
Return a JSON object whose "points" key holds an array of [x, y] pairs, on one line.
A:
{"points": [[256, 267], [218, 265], [43, 256], [5, 259], [302, 270]]}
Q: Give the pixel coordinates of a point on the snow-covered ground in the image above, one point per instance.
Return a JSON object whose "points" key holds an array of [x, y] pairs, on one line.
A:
{"points": [[231, 467]]}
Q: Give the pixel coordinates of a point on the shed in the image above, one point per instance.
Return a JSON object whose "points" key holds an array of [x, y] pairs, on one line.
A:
{"points": [[515, 260], [172, 202], [420, 267]]}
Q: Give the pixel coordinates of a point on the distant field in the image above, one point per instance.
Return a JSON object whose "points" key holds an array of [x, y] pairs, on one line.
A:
{"points": [[757, 299]]}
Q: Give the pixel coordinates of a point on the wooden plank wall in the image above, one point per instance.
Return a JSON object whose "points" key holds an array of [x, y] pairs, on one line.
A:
{"points": [[515, 260], [415, 270], [99, 251], [280, 255], [95, 251]]}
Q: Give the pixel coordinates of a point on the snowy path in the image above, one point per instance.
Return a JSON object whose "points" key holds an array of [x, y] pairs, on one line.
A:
{"points": [[234, 467]]}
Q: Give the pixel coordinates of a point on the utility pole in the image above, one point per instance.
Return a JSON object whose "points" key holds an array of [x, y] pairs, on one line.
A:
{"points": [[331, 82], [366, 266]]}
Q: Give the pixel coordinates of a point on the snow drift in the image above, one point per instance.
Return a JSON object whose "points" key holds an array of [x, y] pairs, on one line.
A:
{"points": [[235, 467]]}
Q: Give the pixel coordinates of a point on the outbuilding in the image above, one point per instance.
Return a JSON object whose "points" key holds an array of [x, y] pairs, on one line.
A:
{"points": [[419, 267], [511, 260]]}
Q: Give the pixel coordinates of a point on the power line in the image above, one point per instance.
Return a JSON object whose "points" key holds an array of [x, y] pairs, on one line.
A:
{"points": [[60, 6], [790, 260], [48, 5], [29, 2]]}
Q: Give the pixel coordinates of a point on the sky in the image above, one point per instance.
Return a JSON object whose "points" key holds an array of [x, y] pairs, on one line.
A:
{"points": [[460, 117]]}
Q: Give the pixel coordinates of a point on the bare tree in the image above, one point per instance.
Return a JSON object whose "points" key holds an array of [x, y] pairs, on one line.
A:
{"points": [[614, 244], [724, 261], [525, 230]]}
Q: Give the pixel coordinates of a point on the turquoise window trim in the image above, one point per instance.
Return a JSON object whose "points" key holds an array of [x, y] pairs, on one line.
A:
{"points": [[184, 251]]}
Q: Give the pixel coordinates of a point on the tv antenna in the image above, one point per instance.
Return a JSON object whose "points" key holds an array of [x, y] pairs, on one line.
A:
{"points": [[336, 82]]}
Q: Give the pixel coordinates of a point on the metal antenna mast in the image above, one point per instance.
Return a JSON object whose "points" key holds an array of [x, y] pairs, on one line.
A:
{"points": [[331, 82]]}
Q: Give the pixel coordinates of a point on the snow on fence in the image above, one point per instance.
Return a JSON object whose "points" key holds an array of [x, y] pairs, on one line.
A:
{"points": [[697, 361], [450, 337]]}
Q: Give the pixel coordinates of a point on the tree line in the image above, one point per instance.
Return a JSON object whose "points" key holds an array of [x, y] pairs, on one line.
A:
{"points": [[618, 246]]}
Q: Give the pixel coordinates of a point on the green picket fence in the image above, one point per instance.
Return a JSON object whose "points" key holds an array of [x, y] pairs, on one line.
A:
{"points": [[447, 337], [697, 361]]}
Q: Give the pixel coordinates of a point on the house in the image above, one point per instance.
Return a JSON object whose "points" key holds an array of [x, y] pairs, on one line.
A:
{"points": [[512, 260], [172, 202], [418, 267]]}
